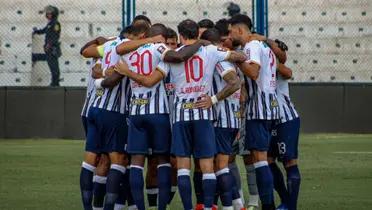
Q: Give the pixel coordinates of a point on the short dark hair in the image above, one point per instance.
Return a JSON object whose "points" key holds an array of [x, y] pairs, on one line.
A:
{"points": [[189, 29], [142, 17], [126, 30], [241, 19], [206, 23], [222, 26], [212, 35], [157, 29], [171, 34], [139, 29]]}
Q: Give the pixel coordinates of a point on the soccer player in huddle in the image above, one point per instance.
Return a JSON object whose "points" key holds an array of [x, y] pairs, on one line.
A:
{"points": [[191, 140], [262, 105], [284, 145], [149, 124]]}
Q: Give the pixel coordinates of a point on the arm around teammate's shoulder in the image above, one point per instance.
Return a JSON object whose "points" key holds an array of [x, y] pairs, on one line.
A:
{"points": [[147, 81], [284, 71]]}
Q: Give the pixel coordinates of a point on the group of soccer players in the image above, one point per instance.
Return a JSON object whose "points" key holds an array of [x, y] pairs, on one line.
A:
{"points": [[214, 91]]}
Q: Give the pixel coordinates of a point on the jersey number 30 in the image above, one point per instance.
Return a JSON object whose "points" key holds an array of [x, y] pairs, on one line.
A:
{"points": [[139, 61], [191, 75]]}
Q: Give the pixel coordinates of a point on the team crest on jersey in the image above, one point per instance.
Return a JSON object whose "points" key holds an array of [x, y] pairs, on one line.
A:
{"points": [[161, 49], [99, 92], [274, 103]]}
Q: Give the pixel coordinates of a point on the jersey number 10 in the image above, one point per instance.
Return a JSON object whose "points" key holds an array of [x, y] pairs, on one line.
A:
{"points": [[190, 71]]}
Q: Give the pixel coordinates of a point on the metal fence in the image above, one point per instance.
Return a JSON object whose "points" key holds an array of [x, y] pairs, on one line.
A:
{"points": [[329, 40]]}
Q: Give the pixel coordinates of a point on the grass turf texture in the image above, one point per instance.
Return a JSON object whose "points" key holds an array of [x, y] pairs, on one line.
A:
{"points": [[44, 174]]}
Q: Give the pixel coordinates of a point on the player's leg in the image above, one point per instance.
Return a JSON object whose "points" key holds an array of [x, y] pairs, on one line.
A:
{"points": [[251, 181], [237, 193], [258, 135], [124, 192], [198, 185], [181, 148], [151, 181], [224, 140], [90, 160], [161, 139], [99, 181], [291, 131], [137, 147], [114, 131], [279, 184], [173, 162], [205, 149]]}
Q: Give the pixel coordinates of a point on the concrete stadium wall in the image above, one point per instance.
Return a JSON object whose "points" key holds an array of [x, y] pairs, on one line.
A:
{"points": [[55, 112]]}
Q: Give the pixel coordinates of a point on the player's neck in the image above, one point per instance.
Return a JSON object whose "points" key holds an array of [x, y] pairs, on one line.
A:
{"points": [[189, 41]]}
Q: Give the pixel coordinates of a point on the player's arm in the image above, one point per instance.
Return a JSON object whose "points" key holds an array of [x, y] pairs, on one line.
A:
{"points": [[146, 81], [232, 85], [130, 46], [236, 57], [243, 99], [109, 81], [284, 71], [172, 56], [96, 42], [278, 47], [250, 69], [97, 71]]}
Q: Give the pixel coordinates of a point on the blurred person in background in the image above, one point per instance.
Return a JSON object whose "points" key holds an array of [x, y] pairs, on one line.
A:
{"points": [[52, 47]]}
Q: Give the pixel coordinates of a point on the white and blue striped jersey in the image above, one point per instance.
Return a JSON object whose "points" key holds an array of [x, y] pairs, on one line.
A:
{"points": [[144, 61], [91, 89], [262, 103], [192, 79], [287, 109], [228, 110], [112, 99]]}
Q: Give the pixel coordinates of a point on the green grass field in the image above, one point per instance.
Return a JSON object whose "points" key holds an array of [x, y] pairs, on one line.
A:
{"points": [[44, 174]]}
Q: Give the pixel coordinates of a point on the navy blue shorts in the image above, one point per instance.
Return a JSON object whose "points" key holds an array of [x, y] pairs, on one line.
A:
{"points": [[258, 134], [84, 120], [147, 132], [284, 144], [107, 131], [224, 139], [194, 138]]}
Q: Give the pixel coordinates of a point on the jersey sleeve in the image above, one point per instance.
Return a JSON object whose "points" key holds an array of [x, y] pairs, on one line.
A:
{"points": [[224, 67], [160, 50], [253, 52], [163, 68], [218, 54]]}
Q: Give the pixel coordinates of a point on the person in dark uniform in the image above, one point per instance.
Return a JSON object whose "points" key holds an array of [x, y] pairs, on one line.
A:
{"points": [[52, 48]]}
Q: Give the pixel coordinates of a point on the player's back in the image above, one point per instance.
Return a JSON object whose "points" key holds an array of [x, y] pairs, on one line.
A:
{"points": [[287, 109], [262, 99], [147, 100], [192, 79], [112, 99]]}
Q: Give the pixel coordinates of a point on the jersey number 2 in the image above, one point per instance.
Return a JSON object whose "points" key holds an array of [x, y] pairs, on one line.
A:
{"points": [[190, 71]]}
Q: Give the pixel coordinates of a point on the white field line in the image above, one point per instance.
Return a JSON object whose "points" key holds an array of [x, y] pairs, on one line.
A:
{"points": [[355, 152]]}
